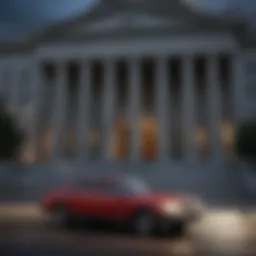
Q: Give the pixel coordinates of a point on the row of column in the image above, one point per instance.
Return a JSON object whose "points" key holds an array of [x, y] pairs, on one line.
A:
{"points": [[133, 112], [189, 115]]}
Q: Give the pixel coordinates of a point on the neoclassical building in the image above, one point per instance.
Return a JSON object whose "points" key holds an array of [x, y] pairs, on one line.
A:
{"points": [[130, 80]]}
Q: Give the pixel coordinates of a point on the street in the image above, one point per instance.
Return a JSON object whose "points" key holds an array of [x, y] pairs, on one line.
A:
{"points": [[219, 232], [39, 240]]}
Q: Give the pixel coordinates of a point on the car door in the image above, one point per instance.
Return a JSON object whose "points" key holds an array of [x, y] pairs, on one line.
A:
{"points": [[115, 203], [84, 199]]}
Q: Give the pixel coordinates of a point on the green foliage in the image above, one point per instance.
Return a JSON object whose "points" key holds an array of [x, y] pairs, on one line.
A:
{"points": [[246, 140], [11, 137]]}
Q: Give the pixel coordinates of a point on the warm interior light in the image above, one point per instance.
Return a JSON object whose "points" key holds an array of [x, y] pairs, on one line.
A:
{"points": [[121, 136], [228, 136]]}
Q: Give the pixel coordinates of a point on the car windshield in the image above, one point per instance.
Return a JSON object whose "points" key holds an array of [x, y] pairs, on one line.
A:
{"points": [[115, 185], [137, 187]]}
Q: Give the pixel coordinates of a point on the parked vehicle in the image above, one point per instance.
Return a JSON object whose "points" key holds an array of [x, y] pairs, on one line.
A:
{"points": [[121, 199]]}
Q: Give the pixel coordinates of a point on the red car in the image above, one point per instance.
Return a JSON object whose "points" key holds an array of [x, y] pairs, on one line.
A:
{"points": [[120, 199]]}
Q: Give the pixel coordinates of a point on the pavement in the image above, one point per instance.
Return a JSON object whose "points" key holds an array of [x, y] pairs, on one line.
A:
{"points": [[21, 212], [219, 232], [101, 242], [226, 231]]}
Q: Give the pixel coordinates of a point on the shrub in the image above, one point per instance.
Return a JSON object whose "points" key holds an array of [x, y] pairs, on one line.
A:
{"points": [[246, 140], [11, 137]]}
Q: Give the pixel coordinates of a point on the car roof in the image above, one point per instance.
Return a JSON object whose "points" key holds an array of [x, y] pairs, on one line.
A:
{"points": [[105, 179]]}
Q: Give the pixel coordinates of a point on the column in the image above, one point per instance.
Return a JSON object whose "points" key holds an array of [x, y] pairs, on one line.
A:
{"points": [[162, 107], [134, 108], [35, 100], [238, 82], [108, 112], [189, 114], [2, 69], [214, 107], [84, 104], [59, 115], [5, 85], [14, 88]]}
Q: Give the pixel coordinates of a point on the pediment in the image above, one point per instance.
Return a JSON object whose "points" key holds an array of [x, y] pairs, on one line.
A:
{"points": [[126, 20], [116, 17]]}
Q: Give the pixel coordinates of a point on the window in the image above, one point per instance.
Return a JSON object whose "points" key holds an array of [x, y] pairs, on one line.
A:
{"points": [[126, 187], [115, 190], [85, 184], [136, 186]]}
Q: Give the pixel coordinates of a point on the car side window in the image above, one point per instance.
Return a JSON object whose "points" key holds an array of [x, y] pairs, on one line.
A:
{"points": [[84, 185], [116, 190]]}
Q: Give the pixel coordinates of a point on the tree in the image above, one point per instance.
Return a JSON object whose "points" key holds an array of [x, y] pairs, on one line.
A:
{"points": [[11, 137], [246, 140]]}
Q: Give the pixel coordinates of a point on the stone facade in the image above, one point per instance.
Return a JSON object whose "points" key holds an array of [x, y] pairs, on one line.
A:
{"points": [[129, 81]]}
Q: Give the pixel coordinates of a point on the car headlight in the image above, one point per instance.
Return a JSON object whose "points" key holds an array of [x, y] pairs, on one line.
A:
{"points": [[196, 205], [174, 208]]}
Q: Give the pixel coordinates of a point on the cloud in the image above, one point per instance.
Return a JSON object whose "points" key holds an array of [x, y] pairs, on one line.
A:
{"points": [[7, 31], [19, 16], [24, 10]]}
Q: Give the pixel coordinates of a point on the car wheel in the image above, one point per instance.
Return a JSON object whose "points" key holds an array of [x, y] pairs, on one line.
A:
{"points": [[178, 228], [143, 223], [59, 216]]}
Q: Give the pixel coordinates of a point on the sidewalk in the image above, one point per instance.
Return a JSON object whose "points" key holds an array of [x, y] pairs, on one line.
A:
{"points": [[226, 231], [20, 212]]}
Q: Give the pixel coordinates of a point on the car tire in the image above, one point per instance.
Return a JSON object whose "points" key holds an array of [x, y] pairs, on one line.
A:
{"points": [[59, 216], [144, 223], [178, 228]]}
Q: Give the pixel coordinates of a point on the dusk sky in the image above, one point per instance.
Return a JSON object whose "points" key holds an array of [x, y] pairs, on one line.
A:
{"points": [[19, 16]]}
